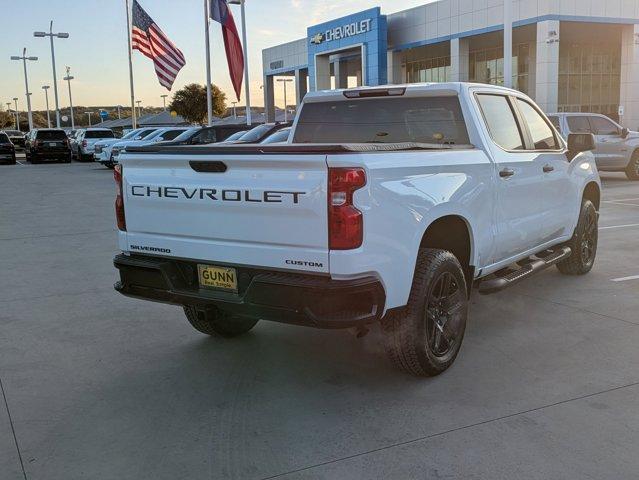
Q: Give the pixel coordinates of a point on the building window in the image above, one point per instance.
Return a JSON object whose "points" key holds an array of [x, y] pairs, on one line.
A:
{"points": [[430, 70], [589, 77], [487, 66]]}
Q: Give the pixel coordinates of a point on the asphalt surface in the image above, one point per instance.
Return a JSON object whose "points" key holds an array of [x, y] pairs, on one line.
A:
{"points": [[97, 386]]}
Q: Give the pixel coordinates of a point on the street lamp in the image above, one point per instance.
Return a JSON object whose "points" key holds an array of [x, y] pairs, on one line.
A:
{"points": [[89, 114], [246, 66], [46, 97], [119, 112], [15, 100], [68, 78], [285, 81], [234, 111], [164, 100], [51, 35], [24, 59], [139, 108]]}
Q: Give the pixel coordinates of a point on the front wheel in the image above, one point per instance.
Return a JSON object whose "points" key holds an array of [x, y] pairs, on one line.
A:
{"points": [[215, 322], [583, 243], [632, 170], [425, 337]]}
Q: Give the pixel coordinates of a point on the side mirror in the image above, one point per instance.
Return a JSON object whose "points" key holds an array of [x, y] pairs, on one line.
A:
{"points": [[580, 142], [625, 132]]}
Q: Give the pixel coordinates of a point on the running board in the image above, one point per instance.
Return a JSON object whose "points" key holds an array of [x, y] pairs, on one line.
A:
{"points": [[528, 267]]}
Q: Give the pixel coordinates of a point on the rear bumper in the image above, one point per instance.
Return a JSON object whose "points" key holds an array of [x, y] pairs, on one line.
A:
{"points": [[308, 300], [46, 154]]}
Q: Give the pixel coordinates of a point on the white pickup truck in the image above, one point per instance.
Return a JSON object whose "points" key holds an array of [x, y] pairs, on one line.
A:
{"points": [[387, 205]]}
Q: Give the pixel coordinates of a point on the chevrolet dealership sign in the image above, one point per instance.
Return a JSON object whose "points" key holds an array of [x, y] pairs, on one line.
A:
{"points": [[344, 31]]}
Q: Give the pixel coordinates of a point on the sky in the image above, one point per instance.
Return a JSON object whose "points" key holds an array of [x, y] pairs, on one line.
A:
{"points": [[96, 50]]}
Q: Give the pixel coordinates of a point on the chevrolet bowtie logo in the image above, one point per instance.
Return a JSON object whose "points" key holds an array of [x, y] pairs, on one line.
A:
{"points": [[317, 38]]}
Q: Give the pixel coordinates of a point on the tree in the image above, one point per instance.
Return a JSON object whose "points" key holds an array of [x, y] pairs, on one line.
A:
{"points": [[7, 119], [190, 102]]}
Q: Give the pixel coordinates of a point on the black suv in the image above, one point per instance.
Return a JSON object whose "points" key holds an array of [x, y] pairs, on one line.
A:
{"points": [[7, 150], [47, 144]]}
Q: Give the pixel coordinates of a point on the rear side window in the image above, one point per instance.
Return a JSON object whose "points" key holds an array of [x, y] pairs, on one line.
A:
{"points": [[603, 126], [3, 138], [555, 122], [501, 122], [171, 134], [99, 134], [51, 135], [578, 124], [384, 120], [542, 135]]}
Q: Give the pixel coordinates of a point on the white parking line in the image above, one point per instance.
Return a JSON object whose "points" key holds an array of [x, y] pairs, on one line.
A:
{"points": [[625, 279], [623, 200], [20, 163], [619, 226]]}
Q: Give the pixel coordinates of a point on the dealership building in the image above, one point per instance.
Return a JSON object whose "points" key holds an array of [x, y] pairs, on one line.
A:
{"points": [[569, 55]]}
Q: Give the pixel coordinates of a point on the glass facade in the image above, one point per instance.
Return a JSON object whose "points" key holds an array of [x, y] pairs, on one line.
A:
{"points": [[430, 70], [589, 77], [487, 66]]}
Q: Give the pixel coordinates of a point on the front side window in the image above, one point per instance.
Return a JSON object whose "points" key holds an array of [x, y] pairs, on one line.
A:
{"points": [[603, 126], [436, 119], [578, 124], [501, 122], [171, 134], [542, 135]]}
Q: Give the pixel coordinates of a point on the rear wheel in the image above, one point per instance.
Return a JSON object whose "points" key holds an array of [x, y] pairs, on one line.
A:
{"points": [[425, 337], [215, 322], [632, 170], [583, 243]]}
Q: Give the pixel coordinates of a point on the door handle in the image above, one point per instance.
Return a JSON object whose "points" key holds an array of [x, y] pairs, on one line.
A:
{"points": [[548, 168], [506, 172]]}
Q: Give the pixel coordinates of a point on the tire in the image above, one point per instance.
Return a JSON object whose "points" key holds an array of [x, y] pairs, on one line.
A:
{"points": [[411, 334], [632, 170], [217, 323], [583, 243]]}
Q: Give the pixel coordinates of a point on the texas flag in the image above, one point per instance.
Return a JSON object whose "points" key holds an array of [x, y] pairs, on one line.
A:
{"points": [[220, 12]]}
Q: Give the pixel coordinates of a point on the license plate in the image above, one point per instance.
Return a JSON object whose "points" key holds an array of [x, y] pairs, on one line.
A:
{"points": [[222, 278], [53, 144]]}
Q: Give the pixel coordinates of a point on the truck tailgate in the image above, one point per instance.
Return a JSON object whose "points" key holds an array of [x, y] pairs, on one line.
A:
{"points": [[259, 210]]}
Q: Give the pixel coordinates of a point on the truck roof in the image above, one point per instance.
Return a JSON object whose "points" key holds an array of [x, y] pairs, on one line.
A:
{"points": [[410, 89]]}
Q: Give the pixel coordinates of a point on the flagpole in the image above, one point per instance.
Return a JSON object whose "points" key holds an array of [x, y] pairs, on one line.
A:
{"points": [[209, 98], [247, 89], [128, 34]]}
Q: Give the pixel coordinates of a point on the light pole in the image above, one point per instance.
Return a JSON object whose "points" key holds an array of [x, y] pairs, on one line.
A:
{"points": [[68, 78], [285, 82], [9, 110], [89, 115], [164, 100], [119, 112], [247, 88], [508, 43], [24, 59], [139, 108], [55, 76], [234, 111], [46, 97], [15, 100]]}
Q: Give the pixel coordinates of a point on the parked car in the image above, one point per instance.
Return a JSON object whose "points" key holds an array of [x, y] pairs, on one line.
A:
{"points": [[7, 150], [44, 144], [102, 148], [195, 136], [281, 136], [388, 205], [160, 135], [16, 137], [259, 133], [616, 147], [234, 136], [86, 139]]}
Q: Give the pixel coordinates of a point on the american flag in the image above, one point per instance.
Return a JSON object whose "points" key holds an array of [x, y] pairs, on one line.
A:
{"points": [[149, 39], [220, 12]]}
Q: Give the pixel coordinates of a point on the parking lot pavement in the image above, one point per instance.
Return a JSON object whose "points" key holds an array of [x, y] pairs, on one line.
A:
{"points": [[100, 386]]}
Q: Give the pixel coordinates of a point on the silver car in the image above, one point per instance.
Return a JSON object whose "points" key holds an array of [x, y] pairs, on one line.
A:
{"points": [[617, 148]]}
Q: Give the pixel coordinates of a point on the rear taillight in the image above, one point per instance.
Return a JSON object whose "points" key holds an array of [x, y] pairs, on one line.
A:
{"points": [[345, 222], [84, 143], [119, 198]]}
